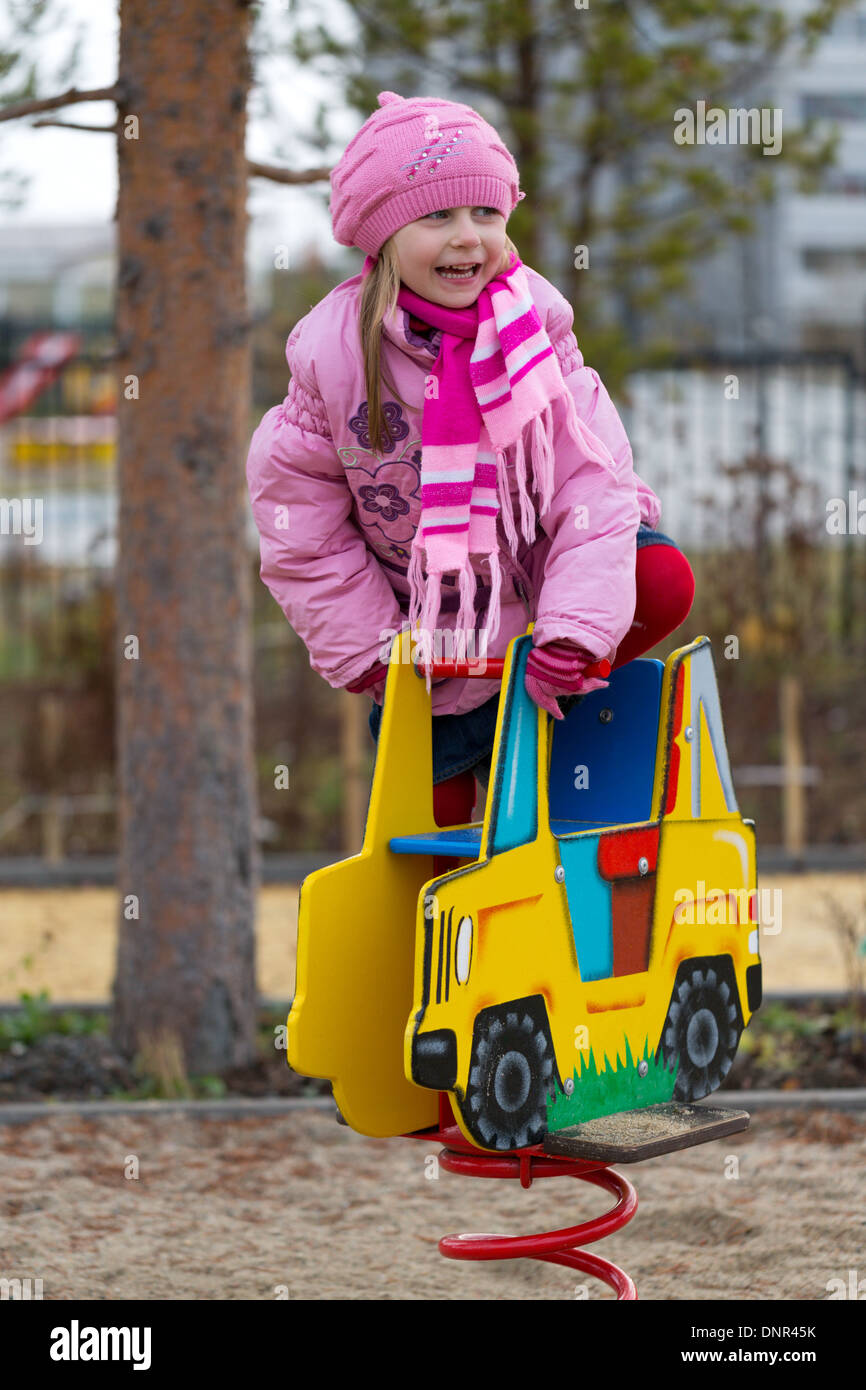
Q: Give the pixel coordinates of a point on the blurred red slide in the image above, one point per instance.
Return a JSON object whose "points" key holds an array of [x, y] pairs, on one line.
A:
{"points": [[38, 363]]}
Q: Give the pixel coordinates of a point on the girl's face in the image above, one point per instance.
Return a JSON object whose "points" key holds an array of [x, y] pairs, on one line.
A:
{"points": [[452, 237]]}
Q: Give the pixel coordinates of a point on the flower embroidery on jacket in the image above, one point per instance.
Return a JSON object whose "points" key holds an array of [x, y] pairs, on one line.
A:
{"points": [[397, 427], [384, 498], [387, 493]]}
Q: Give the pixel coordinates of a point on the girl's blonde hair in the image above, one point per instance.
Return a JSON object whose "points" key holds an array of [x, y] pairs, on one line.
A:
{"points": [[378, 299]]}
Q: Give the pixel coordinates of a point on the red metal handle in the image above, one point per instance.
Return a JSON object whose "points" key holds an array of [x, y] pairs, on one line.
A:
{"points": [[492, 668]]}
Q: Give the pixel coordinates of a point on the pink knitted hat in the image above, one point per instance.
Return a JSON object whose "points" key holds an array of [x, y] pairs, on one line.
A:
{"points": [[416, 156]]}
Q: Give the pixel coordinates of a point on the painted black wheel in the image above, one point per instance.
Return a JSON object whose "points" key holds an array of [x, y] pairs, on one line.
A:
{"points": [[702, 1028], [511, 1075]]}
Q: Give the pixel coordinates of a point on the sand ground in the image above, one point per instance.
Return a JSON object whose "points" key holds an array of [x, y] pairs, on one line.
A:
{"points": [[301, 1208]]}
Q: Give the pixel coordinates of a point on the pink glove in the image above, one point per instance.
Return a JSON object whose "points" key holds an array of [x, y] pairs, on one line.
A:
{"points": [[557, 669], [372, 680]]}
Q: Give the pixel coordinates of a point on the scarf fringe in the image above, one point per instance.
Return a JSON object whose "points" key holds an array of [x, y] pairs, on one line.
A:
{"points": [[543, 462], [429, 614], [527, 511], [425, 602], [490, 631], [415, 576], [505, 500], [466, 616], [572, 420], [422, 594], [543, 459], [590, 444]]}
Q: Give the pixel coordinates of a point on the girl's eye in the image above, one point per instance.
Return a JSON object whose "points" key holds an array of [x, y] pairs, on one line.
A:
{"points": [[444, 212]]}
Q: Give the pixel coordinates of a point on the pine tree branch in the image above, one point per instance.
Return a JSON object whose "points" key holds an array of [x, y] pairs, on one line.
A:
{"points": [[29, 108], [278, 175], [74, 125]]}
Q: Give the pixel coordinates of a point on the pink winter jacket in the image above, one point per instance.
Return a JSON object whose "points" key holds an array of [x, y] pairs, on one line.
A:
{"points": [[336, 522]]}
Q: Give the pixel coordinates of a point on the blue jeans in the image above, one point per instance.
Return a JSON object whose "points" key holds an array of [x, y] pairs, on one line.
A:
{"points": [[462, 741]]}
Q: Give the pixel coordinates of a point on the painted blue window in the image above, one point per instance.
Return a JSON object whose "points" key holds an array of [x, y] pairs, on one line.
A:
{"points": [[603, 756], [589, 905], [516, 776]]}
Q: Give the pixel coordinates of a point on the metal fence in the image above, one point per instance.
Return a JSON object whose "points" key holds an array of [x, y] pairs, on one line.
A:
{"points": [[693, 426], [690, 421]]}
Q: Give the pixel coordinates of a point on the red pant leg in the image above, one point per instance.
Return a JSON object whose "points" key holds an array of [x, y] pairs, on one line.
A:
{"points": [[665, 593], [454, 798]]}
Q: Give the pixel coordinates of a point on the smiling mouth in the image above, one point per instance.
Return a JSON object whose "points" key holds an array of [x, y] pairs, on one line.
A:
{"points": [[458, 274]]}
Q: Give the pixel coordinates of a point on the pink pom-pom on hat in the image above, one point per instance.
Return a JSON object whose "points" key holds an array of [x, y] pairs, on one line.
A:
{"points": [[413, 156]]}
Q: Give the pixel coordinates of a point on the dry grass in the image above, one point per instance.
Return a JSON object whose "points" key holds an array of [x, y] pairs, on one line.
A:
{"points": [[68, 936]]}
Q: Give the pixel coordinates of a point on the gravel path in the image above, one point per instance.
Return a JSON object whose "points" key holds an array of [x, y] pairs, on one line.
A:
{"points": [[302, 1207]]}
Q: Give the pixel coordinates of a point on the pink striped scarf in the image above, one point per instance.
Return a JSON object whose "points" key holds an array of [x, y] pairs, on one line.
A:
{"points": [[496, 373]]}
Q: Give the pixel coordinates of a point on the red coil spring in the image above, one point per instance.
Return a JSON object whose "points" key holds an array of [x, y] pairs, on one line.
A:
{"points": [[555, 1247]]}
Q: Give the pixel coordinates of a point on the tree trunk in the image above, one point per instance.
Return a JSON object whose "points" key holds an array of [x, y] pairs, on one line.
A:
{"points": [[188, 864]]}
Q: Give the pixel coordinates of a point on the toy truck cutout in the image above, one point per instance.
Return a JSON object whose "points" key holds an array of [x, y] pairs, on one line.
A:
{"points": [[592, 946]]}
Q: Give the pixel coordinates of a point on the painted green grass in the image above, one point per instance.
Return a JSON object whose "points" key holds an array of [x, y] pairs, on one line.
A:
{"points": [[613, 1089]]}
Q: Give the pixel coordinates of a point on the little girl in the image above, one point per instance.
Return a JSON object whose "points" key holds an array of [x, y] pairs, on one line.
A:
{"points": [[391, 484]]}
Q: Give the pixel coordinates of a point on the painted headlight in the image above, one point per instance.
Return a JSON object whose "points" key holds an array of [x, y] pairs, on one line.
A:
{"points": [[463, 950], [753, 942]]}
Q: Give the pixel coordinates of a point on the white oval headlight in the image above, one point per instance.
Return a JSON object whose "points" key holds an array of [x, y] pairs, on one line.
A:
{"points": [[463, 950]]}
